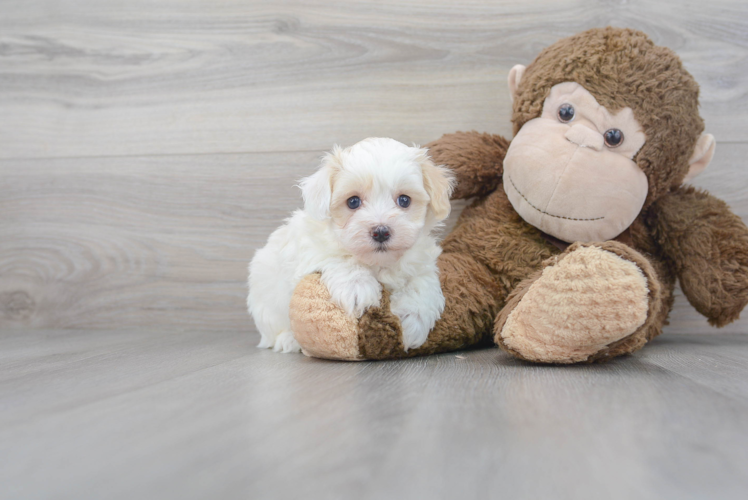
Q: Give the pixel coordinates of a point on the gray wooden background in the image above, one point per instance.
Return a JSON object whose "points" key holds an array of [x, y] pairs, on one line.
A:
{"points": [[148, 147]]}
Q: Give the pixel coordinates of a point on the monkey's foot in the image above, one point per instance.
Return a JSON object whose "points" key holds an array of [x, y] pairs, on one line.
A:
{"points": [[591, 302], [322, 328]]}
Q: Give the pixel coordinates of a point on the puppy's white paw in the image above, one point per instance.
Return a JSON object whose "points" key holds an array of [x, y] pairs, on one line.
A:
{"points": [[415, 330], [266, 342], [357, 294], [285, 342]]}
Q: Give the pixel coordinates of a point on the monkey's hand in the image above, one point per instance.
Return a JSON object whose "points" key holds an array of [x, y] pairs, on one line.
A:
{"points": [[476, 159], [709, 246]]}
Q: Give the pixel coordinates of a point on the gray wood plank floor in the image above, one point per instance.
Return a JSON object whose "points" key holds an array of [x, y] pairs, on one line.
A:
{"points": [[148, 147], [157, 414]]}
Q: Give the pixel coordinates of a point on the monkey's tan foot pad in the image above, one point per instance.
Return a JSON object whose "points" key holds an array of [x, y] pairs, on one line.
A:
{"points": [[578, 305], [324, 331], [322, 328]]}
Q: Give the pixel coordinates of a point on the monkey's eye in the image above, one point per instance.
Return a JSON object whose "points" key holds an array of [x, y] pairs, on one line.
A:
{"points": [[566, 113], [354, 202], [613, 137], [403, 201]]}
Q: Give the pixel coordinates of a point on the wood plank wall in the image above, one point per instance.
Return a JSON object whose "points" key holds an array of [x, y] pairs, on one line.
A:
{"points": [[148, 147]]}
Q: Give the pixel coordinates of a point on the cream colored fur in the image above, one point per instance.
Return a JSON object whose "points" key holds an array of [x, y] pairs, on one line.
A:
{"points": [[586, 301], [327, 331], [552, 171]]}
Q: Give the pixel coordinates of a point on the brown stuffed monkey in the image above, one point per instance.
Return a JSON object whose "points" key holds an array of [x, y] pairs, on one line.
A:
{"points": [[580, 226]]}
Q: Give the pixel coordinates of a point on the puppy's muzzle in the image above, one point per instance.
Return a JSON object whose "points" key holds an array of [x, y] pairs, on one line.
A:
{"points": [[380, 234]]}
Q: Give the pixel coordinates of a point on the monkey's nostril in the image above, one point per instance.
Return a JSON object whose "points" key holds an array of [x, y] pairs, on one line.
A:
{"points": [[380, 234]]}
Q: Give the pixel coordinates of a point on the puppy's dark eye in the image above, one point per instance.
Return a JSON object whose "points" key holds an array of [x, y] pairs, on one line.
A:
{"points": [[566, 113], [613, 137], [354, 202], [403, 200]]}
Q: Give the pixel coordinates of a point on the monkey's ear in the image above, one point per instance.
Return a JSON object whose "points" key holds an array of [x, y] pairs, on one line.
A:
{"points": [[439, 182], [317, 188], [515, 76], [701, 157]]}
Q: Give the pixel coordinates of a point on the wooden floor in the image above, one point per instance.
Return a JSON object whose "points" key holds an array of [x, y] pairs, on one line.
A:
{"points": [[148, 147], [182, 415]]}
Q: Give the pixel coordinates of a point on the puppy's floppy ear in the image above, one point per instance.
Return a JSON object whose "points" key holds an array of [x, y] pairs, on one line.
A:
{"points": [[439, 182], [317, 188]]}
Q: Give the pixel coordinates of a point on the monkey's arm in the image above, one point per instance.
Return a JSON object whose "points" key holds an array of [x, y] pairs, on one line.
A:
{"points": [[709, 247], [476, 159]]}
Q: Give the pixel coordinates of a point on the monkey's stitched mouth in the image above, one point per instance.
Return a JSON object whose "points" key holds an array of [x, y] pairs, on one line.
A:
{"points": [[544, 212]]}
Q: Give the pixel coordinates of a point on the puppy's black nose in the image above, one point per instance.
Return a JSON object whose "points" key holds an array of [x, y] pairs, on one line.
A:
{"points": [[381, 234]]}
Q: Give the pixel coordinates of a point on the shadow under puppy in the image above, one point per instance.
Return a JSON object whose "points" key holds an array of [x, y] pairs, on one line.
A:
{"points": [[368, 217]]}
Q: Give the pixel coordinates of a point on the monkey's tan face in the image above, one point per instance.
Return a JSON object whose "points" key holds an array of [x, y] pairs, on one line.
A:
{"points": [[571, 173]]}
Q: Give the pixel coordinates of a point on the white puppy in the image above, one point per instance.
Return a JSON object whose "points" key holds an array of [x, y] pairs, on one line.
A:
{"points": [[368, 216]]}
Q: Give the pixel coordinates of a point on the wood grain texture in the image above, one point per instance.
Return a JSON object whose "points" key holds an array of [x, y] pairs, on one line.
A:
{"points": [[82, 78], [116, 242], [165, 241], [181, 415], [148, 148]]}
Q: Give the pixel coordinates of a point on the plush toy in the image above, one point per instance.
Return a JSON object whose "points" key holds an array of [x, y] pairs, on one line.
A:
{"points": [[580, 226]]}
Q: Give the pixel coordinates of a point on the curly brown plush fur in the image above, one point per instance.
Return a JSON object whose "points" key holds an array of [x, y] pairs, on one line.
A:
{"points": [[493, 260], [708, 247], [474, 158]]}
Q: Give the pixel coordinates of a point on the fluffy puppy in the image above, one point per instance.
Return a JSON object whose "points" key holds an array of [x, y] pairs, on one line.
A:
{"points": [[368, 215]]}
